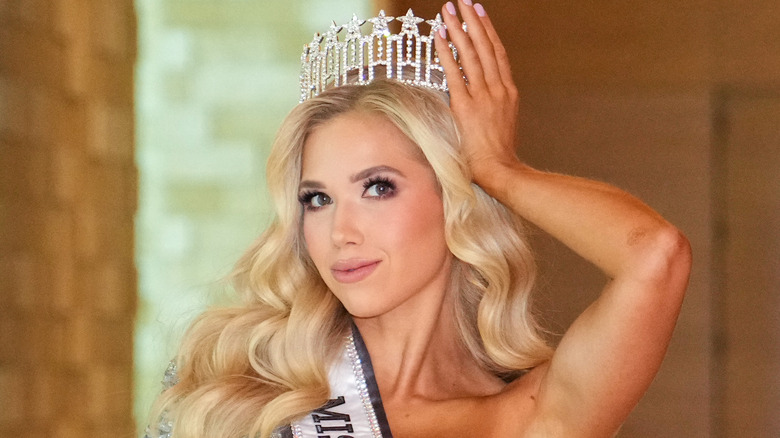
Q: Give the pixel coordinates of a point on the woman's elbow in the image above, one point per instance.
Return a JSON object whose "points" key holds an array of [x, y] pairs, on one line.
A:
{"points": [[665, 257]]}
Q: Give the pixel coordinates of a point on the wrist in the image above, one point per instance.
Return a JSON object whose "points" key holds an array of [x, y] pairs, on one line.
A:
{"points": [[498, 177]]}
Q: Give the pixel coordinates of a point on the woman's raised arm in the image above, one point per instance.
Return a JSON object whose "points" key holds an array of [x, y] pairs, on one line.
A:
{"points": [[611, 353]]}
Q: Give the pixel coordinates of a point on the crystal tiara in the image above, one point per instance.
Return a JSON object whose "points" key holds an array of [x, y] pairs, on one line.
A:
{"points": [[407, 56]]}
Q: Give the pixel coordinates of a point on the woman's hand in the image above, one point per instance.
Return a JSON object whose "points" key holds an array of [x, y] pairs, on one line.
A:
{"points": [[485, 102]]}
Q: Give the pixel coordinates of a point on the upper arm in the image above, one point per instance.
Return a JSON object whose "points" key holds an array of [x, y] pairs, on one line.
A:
{"points": [[612, 351]]}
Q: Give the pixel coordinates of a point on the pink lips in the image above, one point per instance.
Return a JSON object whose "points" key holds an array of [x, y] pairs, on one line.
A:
{"points": [[354, 270]]}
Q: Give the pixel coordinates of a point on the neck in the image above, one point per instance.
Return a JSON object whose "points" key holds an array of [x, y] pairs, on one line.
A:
{"points": [[417, 353]]}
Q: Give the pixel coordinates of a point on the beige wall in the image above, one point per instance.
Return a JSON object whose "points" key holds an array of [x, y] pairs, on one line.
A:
{"points": [[678, 102], [67, 197], [747, 265]]}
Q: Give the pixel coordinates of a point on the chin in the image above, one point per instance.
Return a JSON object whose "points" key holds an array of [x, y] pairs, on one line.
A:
{"points": [[364, 310]]}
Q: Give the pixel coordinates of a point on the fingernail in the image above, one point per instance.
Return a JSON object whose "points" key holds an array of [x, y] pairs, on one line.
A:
{"points": [[467, 2], [450, 8], [480, 10], [443, 32]]}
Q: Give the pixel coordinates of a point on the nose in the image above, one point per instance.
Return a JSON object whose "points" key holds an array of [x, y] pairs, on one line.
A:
{"points": [[345, 228]]}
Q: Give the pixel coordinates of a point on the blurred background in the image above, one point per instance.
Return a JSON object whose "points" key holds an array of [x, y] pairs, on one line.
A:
{"points": [[133, 136]]}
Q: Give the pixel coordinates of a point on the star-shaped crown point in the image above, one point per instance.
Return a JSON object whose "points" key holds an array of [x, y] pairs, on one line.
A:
{"points": [[380, 23], [436, 24], [353, 27], [410, 22]]}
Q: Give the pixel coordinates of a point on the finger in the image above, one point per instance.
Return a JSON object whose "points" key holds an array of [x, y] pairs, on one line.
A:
{"points": [[455, 81], [467, 55], [502, 58], [481, 41]]}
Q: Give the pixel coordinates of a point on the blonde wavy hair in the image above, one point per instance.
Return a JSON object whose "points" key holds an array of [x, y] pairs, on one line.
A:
{"points": [[249, 369]]}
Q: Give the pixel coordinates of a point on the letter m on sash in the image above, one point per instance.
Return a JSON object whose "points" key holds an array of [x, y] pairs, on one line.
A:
{"points": [[325, 414]]}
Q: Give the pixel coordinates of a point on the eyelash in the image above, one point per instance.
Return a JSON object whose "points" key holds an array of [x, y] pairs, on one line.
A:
{"points": [[380, 180], [306, 198]]}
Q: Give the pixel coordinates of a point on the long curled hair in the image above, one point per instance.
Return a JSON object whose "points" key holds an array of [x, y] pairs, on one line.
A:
{"points": [[249, 369]]}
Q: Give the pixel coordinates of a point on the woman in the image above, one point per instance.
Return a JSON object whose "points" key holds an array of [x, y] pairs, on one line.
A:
{"points": [[391, 294]]}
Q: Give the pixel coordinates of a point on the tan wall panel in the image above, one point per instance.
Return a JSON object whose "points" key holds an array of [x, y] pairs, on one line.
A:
{"points": [[748, 41], [68, 196], [751, 311]]}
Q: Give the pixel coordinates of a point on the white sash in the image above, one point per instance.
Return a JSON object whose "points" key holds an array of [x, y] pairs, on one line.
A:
{"points": [[355, 408]]}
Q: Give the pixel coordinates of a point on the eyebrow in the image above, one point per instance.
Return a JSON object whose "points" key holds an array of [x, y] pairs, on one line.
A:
{"points": [[363, 174]]}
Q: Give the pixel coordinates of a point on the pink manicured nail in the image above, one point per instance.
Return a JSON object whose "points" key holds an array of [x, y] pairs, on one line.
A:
{"points": [[480, 10], [450, 8], [443, 32], [467, 2]]}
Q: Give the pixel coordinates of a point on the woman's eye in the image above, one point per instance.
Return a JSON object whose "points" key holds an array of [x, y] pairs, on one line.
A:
{"points": [[314, 201], [319, 200], [379, 189]]}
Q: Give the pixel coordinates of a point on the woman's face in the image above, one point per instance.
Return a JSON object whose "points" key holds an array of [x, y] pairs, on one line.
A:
{"points": [[373, 219]]}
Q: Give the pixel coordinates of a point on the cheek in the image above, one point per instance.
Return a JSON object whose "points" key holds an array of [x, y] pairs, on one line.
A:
{"points": [[421, 225]]}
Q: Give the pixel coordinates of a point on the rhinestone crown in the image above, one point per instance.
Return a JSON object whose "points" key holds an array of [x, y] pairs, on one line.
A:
{"points": [[407, 56]]}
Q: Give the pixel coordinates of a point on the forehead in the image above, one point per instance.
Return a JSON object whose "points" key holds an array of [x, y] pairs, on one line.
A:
{"points": [[357, 139]]}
